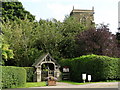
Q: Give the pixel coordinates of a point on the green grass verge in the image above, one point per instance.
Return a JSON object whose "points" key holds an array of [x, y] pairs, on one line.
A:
{"points": [[74, 83], [111, 81], [40, 84], [80, 83], [35, 84], [32, 84]]}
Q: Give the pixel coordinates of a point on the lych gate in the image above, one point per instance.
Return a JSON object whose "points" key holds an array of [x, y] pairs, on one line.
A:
{"points": [[46, 66]]}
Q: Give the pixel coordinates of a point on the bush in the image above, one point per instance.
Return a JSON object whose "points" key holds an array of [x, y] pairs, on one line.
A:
{"points": [[100, 67], [13, 76], [30, 73]]}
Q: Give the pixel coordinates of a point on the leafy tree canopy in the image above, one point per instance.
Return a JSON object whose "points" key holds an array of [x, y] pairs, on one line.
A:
{"points": [[7, 53], [67, 39], [13, 10], [97, 41]]}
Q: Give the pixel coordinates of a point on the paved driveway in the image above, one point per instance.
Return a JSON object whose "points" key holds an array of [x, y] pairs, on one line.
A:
{"points": [[66, 86], [91, 85]]}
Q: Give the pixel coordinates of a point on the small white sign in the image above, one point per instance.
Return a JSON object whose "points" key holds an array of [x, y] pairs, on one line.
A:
{"points": [[84, 76], [65, 69], [89, 78]]}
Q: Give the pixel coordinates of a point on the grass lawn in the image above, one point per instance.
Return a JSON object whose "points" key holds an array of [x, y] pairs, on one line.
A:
{"points": [[33, 84], [74, 83], [81, 83], [40, 84]]}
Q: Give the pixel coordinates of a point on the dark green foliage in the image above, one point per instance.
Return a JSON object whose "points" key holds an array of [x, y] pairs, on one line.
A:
{"points": [[28, 43], [118, 36], [15, 10], [21, 39], [69, 29], [100, 67], [13, 76], [118, 41], [30, 73]]}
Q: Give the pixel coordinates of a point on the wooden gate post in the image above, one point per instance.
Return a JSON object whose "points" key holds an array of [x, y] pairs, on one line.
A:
{"points": [[38, 74]]}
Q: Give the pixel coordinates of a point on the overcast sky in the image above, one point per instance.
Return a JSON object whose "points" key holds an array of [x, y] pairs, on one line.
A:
{"points": [[106, 11]]}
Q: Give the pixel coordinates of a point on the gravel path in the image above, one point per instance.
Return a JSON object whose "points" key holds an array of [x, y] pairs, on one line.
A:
{"points": [[91, 85]]}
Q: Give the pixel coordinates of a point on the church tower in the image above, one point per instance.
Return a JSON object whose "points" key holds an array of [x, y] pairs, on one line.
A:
{"points": [[84, 16]]}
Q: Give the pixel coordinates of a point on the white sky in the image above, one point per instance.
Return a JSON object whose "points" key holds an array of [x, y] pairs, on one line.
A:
{"points": [[119, 15], [106, 11]]}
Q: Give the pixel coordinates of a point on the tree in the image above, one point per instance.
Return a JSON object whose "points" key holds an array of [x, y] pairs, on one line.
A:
{"points": [[97, 41], [49, 36], [118, 41], [6, 52], [21, 39], [14, 10], [69, 29], [58, 38]]}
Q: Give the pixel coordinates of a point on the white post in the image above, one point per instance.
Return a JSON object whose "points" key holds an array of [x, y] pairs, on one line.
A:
{"points": [[38, 74], [84, 77]]}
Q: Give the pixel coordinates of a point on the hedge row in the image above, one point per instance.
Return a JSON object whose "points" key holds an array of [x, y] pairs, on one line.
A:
{"points": [[13, 76], [100, 67], [30, 73]]}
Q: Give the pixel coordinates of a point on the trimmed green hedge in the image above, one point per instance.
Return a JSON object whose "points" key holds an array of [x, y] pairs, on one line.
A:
{"points": [[100, 67], [30, 73], [13, 76]]}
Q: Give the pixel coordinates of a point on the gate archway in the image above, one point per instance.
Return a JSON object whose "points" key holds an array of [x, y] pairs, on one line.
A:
{"points": [[46, 66], [47, 70]]}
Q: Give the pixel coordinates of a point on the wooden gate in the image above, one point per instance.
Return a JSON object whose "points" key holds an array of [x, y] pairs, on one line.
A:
{"points": [[45, 74]]}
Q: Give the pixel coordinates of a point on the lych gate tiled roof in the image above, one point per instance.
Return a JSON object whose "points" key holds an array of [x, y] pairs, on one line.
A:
{"points": [[41, 58]]}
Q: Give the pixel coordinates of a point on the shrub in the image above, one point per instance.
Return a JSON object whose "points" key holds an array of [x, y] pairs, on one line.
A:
{"points": [[13, 76], [100, 67], [30, 73]]}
